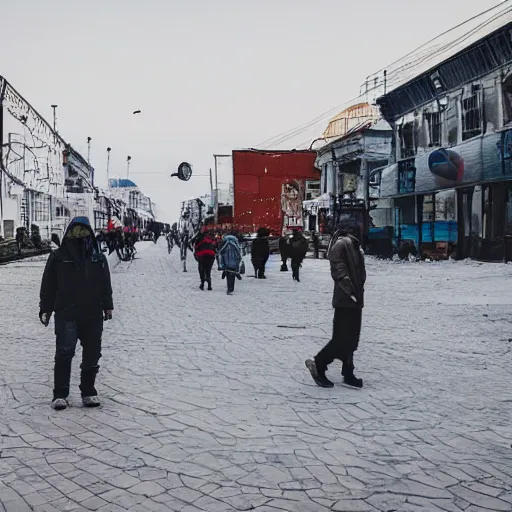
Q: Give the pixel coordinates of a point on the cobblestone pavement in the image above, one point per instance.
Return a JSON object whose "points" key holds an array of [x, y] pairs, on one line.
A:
{"points": [[207, 405]]}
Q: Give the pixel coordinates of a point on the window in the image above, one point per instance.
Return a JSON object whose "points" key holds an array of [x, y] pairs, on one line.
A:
{"points": [[434, 128], [41, 208], [100, 220], [429, 208], [406, 176], [507, 100], [407, 143], [471, 117], [61, 211], [374, 179]]}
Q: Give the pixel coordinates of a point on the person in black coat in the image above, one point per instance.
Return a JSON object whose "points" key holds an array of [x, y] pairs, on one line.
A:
{"points": [[349, 275], [260, 253], [298, 247], [284, 250], [76, 286]]}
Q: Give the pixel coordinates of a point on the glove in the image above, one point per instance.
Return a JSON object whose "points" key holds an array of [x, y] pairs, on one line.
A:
{"points": [[44, 318], [107, 314]]}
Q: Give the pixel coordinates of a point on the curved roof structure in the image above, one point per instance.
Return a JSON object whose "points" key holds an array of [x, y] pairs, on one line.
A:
{"points": [[345, 121]]}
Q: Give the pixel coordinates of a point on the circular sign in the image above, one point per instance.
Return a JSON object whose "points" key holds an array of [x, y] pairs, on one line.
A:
{"points": [[184, 171]]}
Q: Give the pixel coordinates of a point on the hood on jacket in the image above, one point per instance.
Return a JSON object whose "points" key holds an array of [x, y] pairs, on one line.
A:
{"points": [[84, 223], [343, 233], [231, 239]]}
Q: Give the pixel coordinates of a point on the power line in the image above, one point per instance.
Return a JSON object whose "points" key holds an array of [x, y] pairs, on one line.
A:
{"points": [[287, 135], [437, 37], [397, 78]]}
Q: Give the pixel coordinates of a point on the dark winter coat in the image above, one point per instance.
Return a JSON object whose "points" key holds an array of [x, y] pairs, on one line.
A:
{"points": [[76, 280], [348, 272], [298, 248], [260, 250], [284, 248], [204, 246]]}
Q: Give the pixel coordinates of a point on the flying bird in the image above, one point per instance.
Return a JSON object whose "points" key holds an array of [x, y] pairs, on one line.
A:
{"points": [[137, 111]]}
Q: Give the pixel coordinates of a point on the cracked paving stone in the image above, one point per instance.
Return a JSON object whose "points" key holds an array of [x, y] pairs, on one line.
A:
{"points": [[204, 411]]}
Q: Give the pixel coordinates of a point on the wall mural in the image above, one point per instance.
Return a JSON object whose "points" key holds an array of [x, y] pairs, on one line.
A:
{"points": [[447, 166], [292, 195], [487, 158]]}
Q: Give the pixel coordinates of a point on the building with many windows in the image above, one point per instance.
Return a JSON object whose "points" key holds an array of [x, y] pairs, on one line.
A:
{"points": [[448, 187]]}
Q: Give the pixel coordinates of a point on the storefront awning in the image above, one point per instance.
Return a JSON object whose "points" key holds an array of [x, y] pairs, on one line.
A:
{"points": [[313, 205]]}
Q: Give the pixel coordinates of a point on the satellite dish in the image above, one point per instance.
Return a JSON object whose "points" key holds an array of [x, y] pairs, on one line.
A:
{"points": [[184, 171]]}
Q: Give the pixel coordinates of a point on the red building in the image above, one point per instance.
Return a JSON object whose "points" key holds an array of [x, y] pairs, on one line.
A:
{"points": [[269, 188]]}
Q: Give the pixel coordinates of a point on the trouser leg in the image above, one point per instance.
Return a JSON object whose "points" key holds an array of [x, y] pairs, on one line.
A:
{"points": [[336, 348], [66, 339], [89, 333], [231, 281], [200, 268], [207, 267]]}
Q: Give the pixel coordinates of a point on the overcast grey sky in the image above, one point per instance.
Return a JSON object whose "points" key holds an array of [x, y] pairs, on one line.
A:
{"points": [[209, 76]]}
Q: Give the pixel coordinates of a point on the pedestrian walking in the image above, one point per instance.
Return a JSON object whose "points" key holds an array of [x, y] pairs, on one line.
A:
{"points": [[316, 244], [260, 253], [298, 249], [205, 256], [230, 257], [284, 251], [76, 287], [348, 272]]}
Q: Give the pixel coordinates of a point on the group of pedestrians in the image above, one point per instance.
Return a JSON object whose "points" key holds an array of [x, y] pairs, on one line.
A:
{"points": [[76, 288], [295, 250], [228, 255]]}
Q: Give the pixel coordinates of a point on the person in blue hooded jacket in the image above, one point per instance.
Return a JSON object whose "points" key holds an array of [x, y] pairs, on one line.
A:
{"points": [[230, 258], [76, 287]]}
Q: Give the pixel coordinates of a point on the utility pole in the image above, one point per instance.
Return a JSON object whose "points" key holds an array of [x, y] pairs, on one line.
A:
{"points": [[211, 188], [128, 159], [89, 159], [3, 85], [108, 165], [54, 107]]}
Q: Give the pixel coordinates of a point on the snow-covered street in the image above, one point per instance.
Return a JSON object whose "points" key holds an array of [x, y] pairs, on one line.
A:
{"points": [[207, 405]]}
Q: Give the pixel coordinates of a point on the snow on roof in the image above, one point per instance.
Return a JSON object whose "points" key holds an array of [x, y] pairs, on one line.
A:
{"points": [[441, 48]]}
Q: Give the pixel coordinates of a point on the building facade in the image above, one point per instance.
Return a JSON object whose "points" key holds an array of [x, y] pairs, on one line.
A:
{"points": [[449, 184], [358, 142], [44, 182]]}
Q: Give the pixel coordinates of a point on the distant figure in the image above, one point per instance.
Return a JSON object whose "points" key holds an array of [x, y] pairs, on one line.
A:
{"points": [[316, 244], [230, 257], [205, 256], [21, 234], [349, 275], [155, 228], [298, 249], [260, 253], [284, 250], [35, 237], [76, 286]]}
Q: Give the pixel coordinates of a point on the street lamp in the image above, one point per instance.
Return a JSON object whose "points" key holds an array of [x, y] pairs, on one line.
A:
{"points": [[128, 159], [89, 158], [108, 165]]}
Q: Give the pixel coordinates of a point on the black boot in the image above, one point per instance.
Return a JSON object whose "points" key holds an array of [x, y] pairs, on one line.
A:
{"points": [[201, 286], [318, 376], [210, 286], [284, 267], [348, 373]]}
